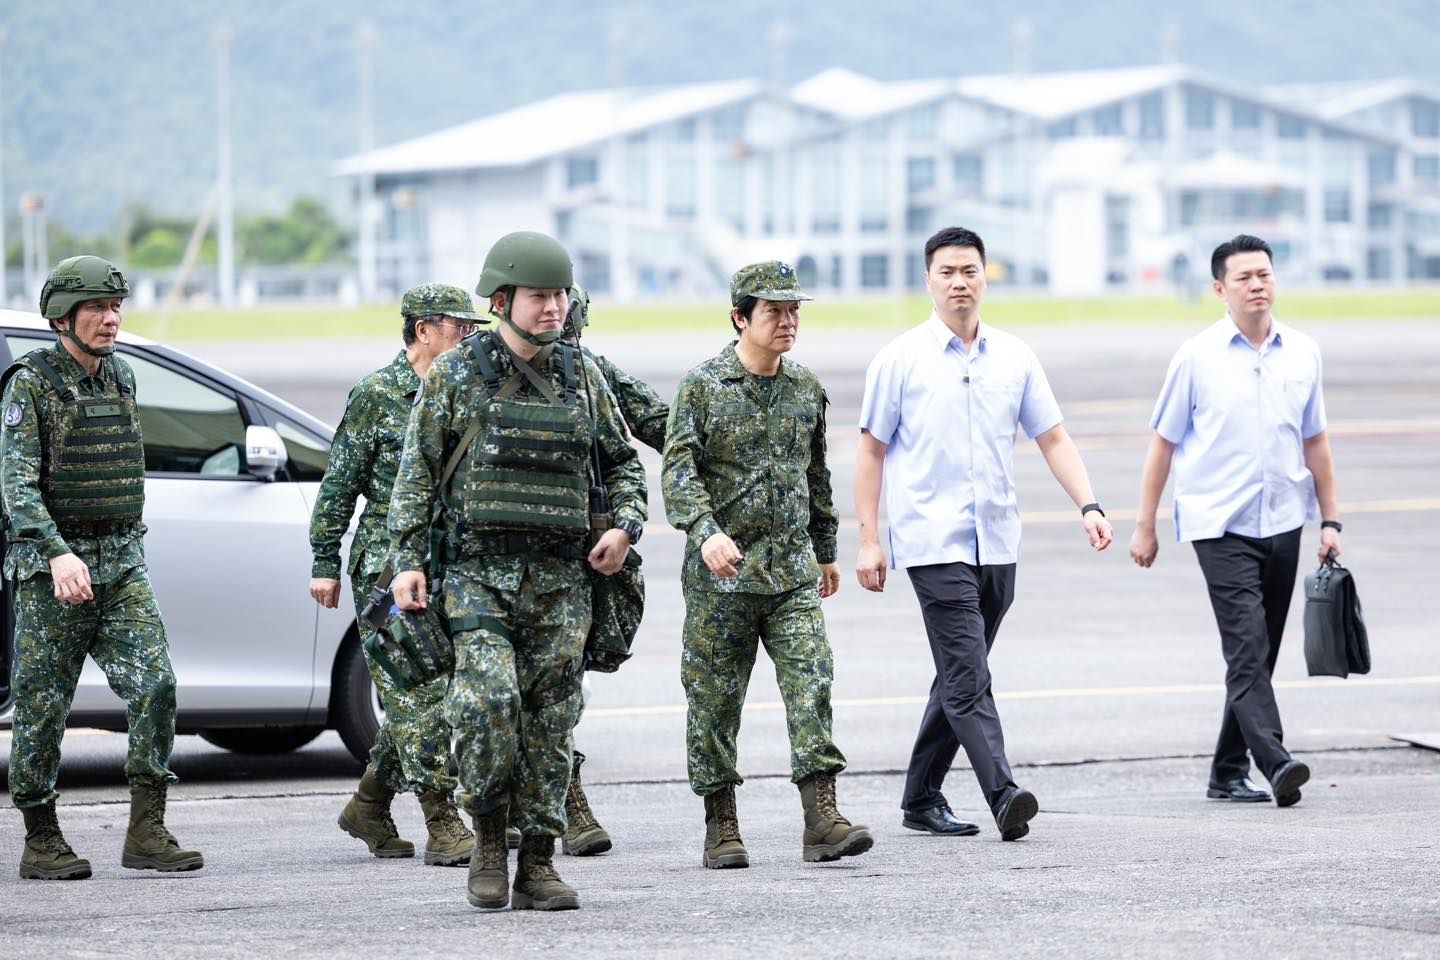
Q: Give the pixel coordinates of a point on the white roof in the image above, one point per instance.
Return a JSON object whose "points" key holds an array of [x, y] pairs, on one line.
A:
{"points": [[1050, 96], [548, 127], [1335, 100], [854, 96]]}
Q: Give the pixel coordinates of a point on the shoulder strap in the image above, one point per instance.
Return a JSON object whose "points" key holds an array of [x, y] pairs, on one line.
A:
{"points": [[530, 371], [570, 357], [382, 582], [480, 362], [36, 361]]}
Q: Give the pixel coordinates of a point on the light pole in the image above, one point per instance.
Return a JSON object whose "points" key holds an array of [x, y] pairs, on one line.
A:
{"points": [[34, 242], [4, 292], [225, 226], [365, 40]]}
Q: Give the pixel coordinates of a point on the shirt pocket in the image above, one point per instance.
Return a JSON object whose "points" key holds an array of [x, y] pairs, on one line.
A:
{"points": [[1297, 389], [1001, 395], [736, 429], [797, 426]]}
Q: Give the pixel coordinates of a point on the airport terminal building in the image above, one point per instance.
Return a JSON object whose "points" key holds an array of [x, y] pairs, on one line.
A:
{"points": [[1082, 183]]}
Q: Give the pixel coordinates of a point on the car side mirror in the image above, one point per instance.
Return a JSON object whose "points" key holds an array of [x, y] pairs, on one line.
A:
{"points": [[264, 452]]}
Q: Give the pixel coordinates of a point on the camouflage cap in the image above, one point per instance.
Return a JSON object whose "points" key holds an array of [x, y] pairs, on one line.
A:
{"points": [[439, 299], [770, 280]]}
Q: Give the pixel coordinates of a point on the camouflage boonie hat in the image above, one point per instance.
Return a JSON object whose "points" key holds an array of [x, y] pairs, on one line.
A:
{"points": [[432, 299], [770, 280]]}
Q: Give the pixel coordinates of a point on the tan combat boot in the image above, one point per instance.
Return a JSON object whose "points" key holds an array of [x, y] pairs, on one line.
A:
{"points": [[488, 885], [47, 856], [584, 837], [723, 846], [828, 835], [148, 845], [367, 817], [451, 842], [537, 885]]}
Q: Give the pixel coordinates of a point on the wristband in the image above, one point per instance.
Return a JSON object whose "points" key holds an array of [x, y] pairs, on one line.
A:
{"points": [[1091, 506], [1332, 524]]}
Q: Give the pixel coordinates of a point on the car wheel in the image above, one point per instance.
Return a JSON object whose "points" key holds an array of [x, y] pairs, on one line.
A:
{"points": [[261, 739], [355, 712]]}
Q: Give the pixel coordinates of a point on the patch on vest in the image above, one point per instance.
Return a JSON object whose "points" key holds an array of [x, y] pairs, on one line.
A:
{"points": [[13, 414]]}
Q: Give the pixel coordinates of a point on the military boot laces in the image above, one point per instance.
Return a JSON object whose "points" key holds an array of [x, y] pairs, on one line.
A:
{"points": [[367, 817], [47, 856], [451, 842], [488, 885], [537, 885], [149, 845], [584, 837], [723, 846], [829, 835]]}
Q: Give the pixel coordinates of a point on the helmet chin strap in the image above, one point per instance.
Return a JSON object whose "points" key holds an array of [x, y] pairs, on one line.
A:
{"points": [[69, 334], [534, 339]]}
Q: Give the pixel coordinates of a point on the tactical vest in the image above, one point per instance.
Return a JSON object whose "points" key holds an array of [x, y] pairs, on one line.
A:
{"points": [[92, 471], [527, 470]]}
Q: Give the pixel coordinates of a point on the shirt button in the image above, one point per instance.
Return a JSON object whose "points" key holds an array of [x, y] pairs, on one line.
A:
{"points": [[966, 378]]}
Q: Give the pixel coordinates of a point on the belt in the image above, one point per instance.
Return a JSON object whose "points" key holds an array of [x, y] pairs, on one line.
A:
{"points": [[510, 542], [96, 528]]}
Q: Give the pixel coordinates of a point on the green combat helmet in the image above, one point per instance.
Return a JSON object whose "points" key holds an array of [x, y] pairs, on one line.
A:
{"points": [[579, 314], [769, 280], [71, 283], [439, 300], [526, 259]]}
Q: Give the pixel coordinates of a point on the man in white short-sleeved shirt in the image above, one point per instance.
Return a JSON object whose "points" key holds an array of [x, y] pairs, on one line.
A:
{"points": [[1242, 418], [937, 426]]}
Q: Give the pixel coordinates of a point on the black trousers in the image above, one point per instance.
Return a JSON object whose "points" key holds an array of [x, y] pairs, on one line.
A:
{"points": [[962, 606], [1250, 582]]}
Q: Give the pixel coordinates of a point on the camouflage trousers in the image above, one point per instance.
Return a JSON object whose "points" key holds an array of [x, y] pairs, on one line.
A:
{"points": [[722, 634], [122, 631], [519, 624], [412, 748]]}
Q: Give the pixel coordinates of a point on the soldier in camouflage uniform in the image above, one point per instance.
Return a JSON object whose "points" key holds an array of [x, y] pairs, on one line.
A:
{"points": [[72, 468], [745, 478], [518, 555], [412, 748], [645, 414]]}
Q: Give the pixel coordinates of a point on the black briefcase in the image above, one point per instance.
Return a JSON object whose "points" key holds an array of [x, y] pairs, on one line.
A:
{"points": [[1336, 642]]}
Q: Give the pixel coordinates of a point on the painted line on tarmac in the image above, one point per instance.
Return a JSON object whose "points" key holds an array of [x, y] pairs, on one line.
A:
{"points": [[1059, 693]]}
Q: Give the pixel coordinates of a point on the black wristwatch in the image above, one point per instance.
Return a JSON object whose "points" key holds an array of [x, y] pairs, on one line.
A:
{"points": [[632, 528], [1091, 506], [1333, 525]]}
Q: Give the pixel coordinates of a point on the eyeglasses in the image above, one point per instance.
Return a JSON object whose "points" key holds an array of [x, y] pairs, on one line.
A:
{"points": [[466, 328]]}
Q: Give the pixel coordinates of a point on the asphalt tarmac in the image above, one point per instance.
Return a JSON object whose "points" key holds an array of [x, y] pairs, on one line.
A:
{"points": [[1109, 682]]}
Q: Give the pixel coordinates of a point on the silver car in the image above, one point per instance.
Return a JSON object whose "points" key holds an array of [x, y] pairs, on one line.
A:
{"points": [[231, 473]]}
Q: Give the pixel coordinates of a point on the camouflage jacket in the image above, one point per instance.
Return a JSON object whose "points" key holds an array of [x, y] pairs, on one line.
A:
{"points": [[751, 462], [34, 540], [363, 461], [451, 397], [641, 407]]}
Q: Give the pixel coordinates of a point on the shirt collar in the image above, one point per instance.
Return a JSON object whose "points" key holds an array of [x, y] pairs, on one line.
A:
{"points": [[404, 374], [735, 370], [1227, 328], [68, 366], [944, 336]]}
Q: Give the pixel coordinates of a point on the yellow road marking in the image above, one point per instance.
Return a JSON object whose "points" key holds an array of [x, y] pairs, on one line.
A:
{"points": [[1061, 693]]}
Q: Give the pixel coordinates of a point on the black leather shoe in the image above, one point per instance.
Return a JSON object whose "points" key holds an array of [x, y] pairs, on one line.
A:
{"points": [[1287, 781], [940, 821], [1015, 813], [1241, 791]]}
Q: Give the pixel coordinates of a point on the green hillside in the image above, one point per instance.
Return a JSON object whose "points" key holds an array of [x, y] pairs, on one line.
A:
{"points": [[108, 104]]}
